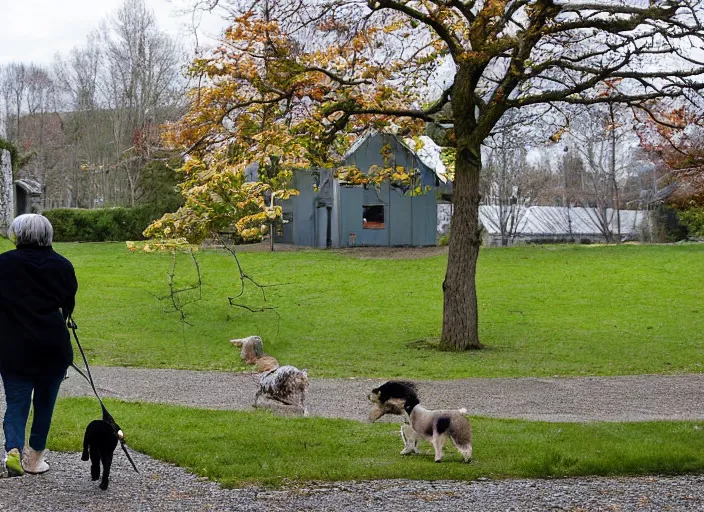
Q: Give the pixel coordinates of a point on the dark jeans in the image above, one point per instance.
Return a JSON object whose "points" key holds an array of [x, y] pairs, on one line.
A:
{"points": [[18, 393]]}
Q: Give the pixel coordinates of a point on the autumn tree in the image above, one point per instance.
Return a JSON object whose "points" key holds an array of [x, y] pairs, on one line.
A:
{"points": [[674, 135], [300, 79]]}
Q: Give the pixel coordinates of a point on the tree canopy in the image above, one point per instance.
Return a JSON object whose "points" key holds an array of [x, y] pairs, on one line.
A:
{"points": [[677, 140], [299, 80]]}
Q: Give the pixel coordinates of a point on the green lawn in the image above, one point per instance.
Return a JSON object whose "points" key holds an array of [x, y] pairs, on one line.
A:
{"points": [[552, 310], [237, 448]]}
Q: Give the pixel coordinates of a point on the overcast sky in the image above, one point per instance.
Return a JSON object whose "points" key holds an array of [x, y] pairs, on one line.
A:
{"points": [[35, 30]]}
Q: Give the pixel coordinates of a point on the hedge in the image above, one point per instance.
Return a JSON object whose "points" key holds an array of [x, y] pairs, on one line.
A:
{"points": [[103, 224], [693, 220]]}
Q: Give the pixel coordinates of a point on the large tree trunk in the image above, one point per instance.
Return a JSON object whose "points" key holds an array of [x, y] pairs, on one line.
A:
{"points": [[460, 315]]}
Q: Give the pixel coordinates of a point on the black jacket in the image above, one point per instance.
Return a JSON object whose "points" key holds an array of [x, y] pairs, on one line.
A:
{"points": [[37, 293]]}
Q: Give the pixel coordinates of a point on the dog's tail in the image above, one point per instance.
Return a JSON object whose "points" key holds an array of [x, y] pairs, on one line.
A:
{"points": [[84, 455], [462, 410]]}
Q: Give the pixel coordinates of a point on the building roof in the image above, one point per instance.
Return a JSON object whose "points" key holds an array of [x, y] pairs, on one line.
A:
{"points": [[358, 143], [30, 186], [429, 153], [561, 221]]}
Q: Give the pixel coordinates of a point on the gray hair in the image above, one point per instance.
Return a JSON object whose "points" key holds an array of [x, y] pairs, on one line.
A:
{"points": [[31, 229]]}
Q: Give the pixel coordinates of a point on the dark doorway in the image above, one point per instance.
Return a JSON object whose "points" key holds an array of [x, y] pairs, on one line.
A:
{"points": [[22, 200]]}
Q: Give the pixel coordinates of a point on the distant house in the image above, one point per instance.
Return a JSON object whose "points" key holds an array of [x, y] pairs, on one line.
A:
{"points": [[28, 196], [16, 196], [546, 224], [331, 213]]}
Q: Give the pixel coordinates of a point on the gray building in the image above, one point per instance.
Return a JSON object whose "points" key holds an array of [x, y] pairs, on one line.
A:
{"points": [[555, 224], [28, 196], [16, 196], [330, 213]]}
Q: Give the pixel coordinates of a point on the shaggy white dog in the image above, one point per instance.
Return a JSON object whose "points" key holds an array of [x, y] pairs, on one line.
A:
{"points": [[285, 384]]}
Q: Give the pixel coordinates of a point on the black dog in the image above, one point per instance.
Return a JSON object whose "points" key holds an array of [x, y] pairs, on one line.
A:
{"points": [[100, 441]]}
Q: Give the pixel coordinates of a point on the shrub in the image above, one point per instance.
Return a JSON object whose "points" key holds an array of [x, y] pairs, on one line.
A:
{"points": [[667, 225], [158, 183], [693, 219], [444, 240], [101, 225]]}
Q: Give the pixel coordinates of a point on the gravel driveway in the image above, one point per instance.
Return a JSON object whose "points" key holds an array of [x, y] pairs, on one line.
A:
{"points": [[632, 398], [164, 487]]}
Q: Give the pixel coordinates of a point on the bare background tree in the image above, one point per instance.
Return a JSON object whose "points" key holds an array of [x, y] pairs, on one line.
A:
{"points": [[510, 183], [139, 85], [602, 148], [90, 123]]}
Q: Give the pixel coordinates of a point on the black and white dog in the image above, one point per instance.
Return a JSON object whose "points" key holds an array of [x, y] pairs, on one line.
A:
{"points": [[401, 397], [286, 385]]}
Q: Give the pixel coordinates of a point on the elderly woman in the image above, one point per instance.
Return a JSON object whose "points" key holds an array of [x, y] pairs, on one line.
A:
{"points": [[37, 295]]}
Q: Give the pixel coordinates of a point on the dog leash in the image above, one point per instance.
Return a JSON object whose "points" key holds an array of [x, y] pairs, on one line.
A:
{"points": [[71, 324]]}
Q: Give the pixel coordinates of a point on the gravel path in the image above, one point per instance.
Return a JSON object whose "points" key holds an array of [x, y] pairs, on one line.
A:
{"points": [[632, 398], [164, 487]]}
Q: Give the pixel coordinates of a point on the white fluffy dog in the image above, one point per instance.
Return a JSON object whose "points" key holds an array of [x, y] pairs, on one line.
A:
{"points": [[401, 397], [285, 384]]}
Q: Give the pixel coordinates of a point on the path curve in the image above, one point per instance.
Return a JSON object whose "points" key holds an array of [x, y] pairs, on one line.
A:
{"points": [[568, 399], [164, 487]]}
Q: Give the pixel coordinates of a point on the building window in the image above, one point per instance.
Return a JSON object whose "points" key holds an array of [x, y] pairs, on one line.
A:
{"points": [[373, 216]]}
